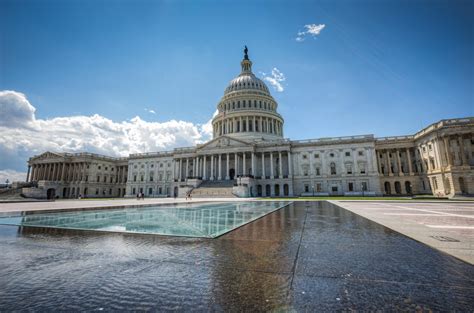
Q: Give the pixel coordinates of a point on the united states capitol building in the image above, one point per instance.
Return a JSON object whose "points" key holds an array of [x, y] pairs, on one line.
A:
{"points": [[250, 157]]}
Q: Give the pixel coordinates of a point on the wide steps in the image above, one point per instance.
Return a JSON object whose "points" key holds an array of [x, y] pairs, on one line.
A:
{"points": [[214, 189]]}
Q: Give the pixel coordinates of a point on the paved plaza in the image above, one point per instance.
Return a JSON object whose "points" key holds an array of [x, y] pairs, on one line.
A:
{"points": [[306, 257], [444, 225]]}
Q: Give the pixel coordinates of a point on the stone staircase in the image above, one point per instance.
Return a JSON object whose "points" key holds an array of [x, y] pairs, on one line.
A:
{"points": [[214, 189]]}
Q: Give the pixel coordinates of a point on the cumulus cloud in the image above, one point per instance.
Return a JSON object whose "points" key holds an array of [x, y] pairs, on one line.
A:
{"points": [[11, 176], [312, 30], [275, 79], [23, 135], [16, 110]]}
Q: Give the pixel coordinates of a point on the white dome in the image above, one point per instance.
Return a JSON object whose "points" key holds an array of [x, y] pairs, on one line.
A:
{"points": [[246, 81]]}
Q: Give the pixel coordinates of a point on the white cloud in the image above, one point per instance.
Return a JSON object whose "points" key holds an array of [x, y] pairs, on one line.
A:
{"points": [[12, 176], [311, 30], [23, 135], [275, 79], [150, 111]]}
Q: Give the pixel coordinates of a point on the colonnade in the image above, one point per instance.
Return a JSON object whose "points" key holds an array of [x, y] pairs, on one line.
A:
{"points": [[239, 124], [64, 171], [227, 166], [385, 163]]}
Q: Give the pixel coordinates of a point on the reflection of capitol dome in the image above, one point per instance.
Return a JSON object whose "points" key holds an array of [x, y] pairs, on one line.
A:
{"points": [[247, 110]]}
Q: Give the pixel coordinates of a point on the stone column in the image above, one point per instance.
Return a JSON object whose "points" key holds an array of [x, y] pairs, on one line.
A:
{"points": [[447, 149], [263, 166], [290, 165], [63, 171], [389, 164], [399, 163], [236, 164], [462, 152], [211, 177], [244, 165], [32, 173], [410, 168], [180, 169], [204, 174], [186, 171], [227, 177], [271, 166], [311, 174], [219, 176], [28, 174], [281, 165], [253, 166], [260, 121]]}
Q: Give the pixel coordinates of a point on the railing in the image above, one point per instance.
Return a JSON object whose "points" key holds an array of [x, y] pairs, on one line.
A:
{"points": [[147, 154], [409, 137], [82, 154], [329, 139]]}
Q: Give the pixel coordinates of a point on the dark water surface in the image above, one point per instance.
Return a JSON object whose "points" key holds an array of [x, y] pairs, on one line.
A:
{"points": [[310, 256]]}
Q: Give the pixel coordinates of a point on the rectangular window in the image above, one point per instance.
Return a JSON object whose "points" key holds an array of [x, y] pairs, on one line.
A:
{"points": [[364, 186], [334, 188], [134, 177], [361, 153], [318, 172], [98, 178], [318, 187], [306, 188], [316, 156], [348, 154], [351, 186]]}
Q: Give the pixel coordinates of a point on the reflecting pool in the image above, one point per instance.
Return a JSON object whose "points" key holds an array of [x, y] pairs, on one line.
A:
{"points": [[207, 220]]}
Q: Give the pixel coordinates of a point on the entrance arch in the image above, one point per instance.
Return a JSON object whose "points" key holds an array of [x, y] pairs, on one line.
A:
{"points": [[277, 190], [259, 190], [64, 192], [231, 173], [398, 187], [50, 193], [462, 186], [388, 190], [175, 192], [408, 187], [268, 191], [286, 190]]}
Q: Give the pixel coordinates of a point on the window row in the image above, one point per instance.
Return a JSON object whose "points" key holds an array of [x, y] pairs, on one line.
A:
{"points": [[235, 105]]}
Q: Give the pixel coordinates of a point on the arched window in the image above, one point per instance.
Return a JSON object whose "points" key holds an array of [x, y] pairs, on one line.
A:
{"points": [[238, 104], [333, 168]]}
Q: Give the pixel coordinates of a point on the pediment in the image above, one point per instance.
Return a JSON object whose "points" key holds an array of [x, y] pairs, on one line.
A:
{"points": [[223, 142], [47, 155]]}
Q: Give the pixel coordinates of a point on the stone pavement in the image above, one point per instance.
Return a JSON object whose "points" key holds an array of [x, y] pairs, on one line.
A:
{"points": [[444, 225], [306, 257]]}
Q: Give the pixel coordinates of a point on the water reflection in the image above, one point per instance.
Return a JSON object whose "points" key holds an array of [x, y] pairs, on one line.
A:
{"points": [[194, 220]]}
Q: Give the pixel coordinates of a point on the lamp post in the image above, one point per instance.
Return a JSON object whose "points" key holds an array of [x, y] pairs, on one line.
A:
{"points": [[312, 187]]}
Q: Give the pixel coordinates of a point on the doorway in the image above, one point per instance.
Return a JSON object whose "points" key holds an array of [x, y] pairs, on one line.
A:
{"points": [[231, 173]]}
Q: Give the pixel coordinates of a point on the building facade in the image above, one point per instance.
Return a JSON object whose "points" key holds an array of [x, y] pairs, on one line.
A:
{"points": [[249, 156]]}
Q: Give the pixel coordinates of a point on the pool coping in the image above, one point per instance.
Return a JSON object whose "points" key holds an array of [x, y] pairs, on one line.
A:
{"points": [[54, 211]]}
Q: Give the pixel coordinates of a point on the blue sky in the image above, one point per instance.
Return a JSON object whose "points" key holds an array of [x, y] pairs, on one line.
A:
{"points": [[380, 67]]}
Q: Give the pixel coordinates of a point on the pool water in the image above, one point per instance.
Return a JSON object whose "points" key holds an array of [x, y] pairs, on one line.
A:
{"points": [[207, 220]]}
